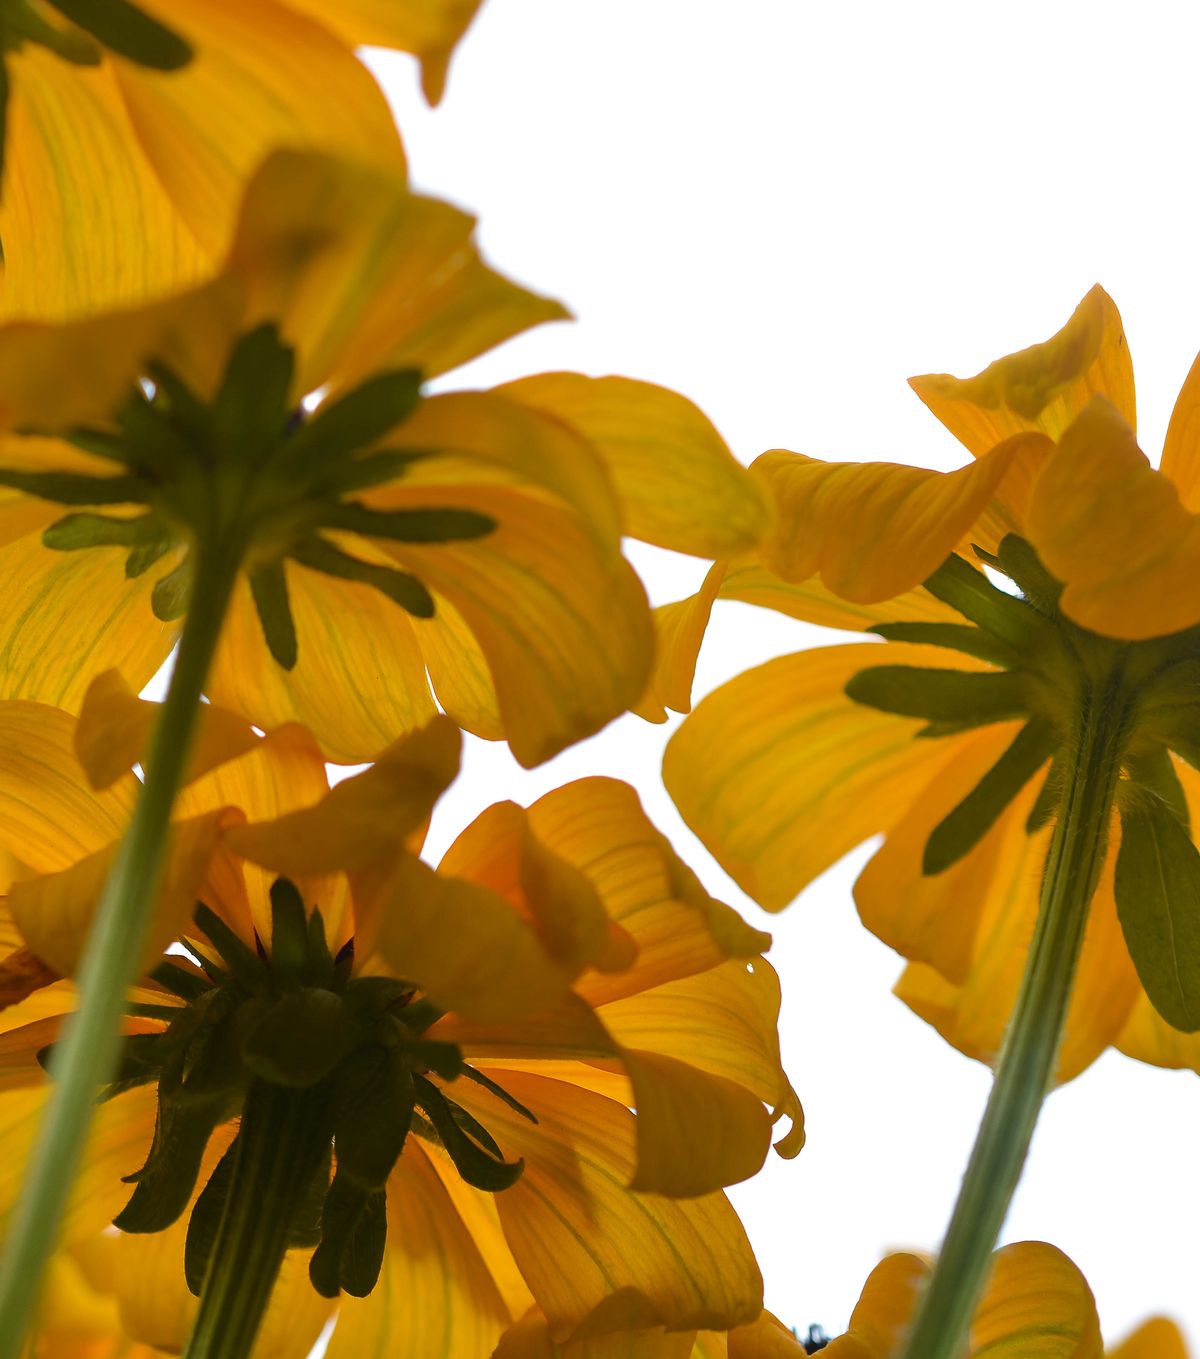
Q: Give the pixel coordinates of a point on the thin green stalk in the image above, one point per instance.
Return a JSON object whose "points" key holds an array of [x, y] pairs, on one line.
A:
{"points": [[1027, 1062], [88, 1052], [283, 1137]]}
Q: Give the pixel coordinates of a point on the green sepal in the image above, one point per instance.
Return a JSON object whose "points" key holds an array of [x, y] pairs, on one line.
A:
{"points": [[23, 24], [289, 934], [179, 981], [369, 998], [251, 407], [970, 593], [1022, 565], [171, 595], [353, 1239], [142, 1059], [1157, 887], [205, 1221], [244, 964], [143, 557], [957, 696], [399, 586], [372, 1115], [297, 1039], [443, 1059], [955, 637], [499, 1091], [478, 1167], [370, 469], [74, 488], [77, 531], [343, 426], [321, 969], [129, 31], [1049, 796], [178, 411], [959, 832], [433, 525], [306, 1221], [4, 101], [150, 441], [143, 1009], [419, 1015], [268, 585]]}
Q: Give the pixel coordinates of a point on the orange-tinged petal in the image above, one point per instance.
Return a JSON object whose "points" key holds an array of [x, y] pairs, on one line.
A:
{"points": [[205, 129], [115, 725], [85, 222], [436, 1298], [874, 530], [598, 825], [679, 485], [359, 682], [1036, 1302], [679, 632], [562, 621], [596, 1255], [1110, 526], [464, 946], [933, 918], [54, 910], [362, 821], [1157, 1338], [779, 773], [1041, 388], [49, 816], [1181, 449]]}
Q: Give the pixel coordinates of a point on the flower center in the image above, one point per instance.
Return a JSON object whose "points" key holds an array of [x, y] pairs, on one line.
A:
{"points": [[336, 1068], [243, 477], [1045, 670]]}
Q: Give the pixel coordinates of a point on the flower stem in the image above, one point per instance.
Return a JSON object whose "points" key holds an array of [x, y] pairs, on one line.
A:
{"points": [[284, 1135], [1025, 1070], [87, 1054]]}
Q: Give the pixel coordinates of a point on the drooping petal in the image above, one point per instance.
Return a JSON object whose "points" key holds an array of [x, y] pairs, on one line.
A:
{"points": [[85, 222], [1113, 529], [435, 1298], [780, 773], [680, 487], [875, 530], [359, 683], [205, 129], [679, 630], [1041, 388], [598, 825], [597, 1256]]}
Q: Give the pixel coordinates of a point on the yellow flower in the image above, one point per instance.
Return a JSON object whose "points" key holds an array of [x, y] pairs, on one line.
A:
{"points": [[786, 768], [132, 128], [1037, 1302], [563, 968], [765, 1338], [476, 534]]}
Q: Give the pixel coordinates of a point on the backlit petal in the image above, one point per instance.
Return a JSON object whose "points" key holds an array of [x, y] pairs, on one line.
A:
{"points": [[1041, 388], [1157, 1338], [680, 487], [1181, 449], [1036, 1302], [679, 630], [881, 1315]]}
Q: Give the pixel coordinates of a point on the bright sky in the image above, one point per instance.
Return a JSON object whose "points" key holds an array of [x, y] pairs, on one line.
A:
{"points": [[782, 208]]}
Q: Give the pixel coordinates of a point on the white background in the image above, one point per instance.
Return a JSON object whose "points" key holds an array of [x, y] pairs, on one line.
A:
{"points": [[782, 209]]}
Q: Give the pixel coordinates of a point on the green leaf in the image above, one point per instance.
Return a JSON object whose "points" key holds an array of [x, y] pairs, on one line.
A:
{"points": [[1158, 902], [399, 586], [431, 525], [955, 636], [478, 1167], [129, 31], [974, 596], [205, 1221], [959, 832], [344, 425], [956, 696], [268, 584], [1154, 773]]}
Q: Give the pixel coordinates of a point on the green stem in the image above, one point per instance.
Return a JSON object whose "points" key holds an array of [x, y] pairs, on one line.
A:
{"points": [[283, 1138], [1025, 1070], [88, 1052]]}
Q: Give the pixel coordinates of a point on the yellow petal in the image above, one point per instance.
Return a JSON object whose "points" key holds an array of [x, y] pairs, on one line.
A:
{"points": [[1110, 526], [934, 918], [766, 1338], [85, 222], [435, 1298], [1036, 1302], [1181, 449], [679, 631], [54, 911], [359, 682], [363, 820], [598, 825], [531, 1338], [562, 621], [49, 816], [1041, 388], [881, 1315], [464, 946], [115, 725], [679, 485], [430, 29], [1147, 1037], [874, 530], [459, 672], [1157, 1338], [205, 129], [779, 773], [598, 1256]]}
